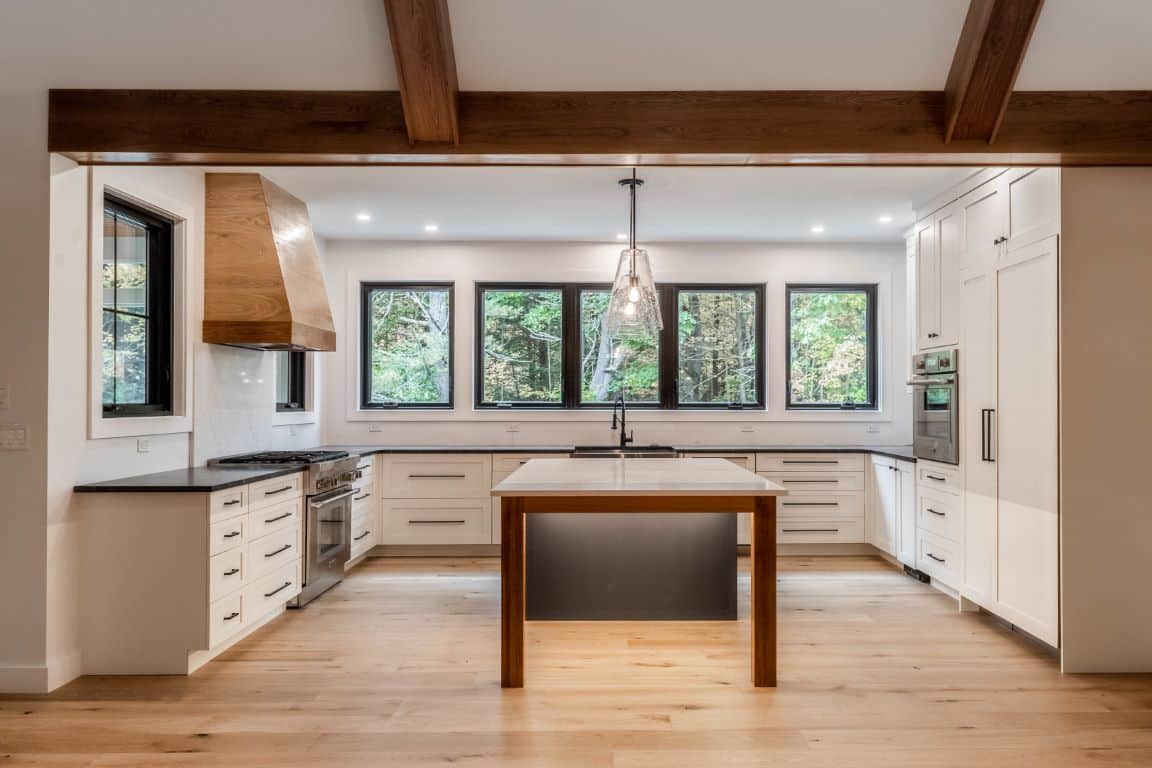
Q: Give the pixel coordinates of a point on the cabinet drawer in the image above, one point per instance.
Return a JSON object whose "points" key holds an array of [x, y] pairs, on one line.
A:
{"points": [[272, 591], [939, 477], [228, 503], [276, 490], [809, 462], [820, 531], [265, 520], [939, 513], [363, 535], [363, 493], [437, 476], [504, 464], [745, 460], [437, 521], [831, 505], [227, 534], [366, 466], [269, 552], [226, 573], [225, 618], [817, 482], [938, 557]]}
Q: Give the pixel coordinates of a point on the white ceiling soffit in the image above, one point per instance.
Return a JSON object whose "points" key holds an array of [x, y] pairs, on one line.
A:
{"points": [[586, 204], [1090, 45], [619, 45]]}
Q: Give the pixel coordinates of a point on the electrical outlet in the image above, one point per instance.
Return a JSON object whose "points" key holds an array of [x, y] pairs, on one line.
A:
{"points": [[512, 428], [375, 427], [747, 428], [13, 437], [143, 445], [873, 429], [4, 397], [292, 430]]}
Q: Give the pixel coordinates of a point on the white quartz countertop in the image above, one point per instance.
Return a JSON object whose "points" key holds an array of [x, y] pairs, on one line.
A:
{"points": [[635, 477]]}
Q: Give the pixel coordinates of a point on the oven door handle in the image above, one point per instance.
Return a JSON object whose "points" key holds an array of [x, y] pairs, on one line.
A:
{"points": [[322, 501], [941, 382]]}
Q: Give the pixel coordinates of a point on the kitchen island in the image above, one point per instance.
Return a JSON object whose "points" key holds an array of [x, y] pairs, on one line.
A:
{"points": [[634, 485]]}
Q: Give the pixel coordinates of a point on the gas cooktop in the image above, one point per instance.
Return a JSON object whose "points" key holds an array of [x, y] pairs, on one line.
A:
{"points": [[282, 457]]}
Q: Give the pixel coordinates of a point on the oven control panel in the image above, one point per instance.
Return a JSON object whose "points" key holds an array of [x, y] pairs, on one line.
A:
{"points": [[931, 363]]}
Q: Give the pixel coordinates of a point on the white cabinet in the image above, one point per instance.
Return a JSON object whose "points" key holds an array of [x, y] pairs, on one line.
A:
{"points": [[939, 246], [748, 462], [891, 508], [826, 499], [436, 499]]}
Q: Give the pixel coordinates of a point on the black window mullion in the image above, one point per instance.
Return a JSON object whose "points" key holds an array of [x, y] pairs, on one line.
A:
{"points": [[669, 345], [871, 342], [367, 292]]}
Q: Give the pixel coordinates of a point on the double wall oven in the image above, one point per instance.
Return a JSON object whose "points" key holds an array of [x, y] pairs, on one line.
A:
{"points": [[936, 406]]}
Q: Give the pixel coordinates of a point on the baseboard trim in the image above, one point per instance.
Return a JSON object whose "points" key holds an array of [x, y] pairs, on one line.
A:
{"points": [[24, 679]]}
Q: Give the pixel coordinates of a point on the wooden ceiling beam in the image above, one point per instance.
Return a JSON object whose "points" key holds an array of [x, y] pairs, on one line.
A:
{"points": [[605, 128], [984, 69], [426, 66]]}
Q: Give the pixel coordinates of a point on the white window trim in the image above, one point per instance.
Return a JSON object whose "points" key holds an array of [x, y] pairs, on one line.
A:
{"points": [[141, 193], [309, 415]]}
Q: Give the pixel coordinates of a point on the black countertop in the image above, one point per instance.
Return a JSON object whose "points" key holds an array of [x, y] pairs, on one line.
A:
{"points": [[217, 478]]}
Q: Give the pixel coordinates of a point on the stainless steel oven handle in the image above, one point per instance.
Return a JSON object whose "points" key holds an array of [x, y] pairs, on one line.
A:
{"points": [[330, 499], [943, 381]]}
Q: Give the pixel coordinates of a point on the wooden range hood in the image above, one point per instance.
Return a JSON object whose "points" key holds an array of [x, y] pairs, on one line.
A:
{"points": [[263, 287]]}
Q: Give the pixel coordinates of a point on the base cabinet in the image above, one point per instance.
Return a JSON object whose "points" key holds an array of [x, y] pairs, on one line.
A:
{"points": [[826, 496], [748, 462], [891, 507]]}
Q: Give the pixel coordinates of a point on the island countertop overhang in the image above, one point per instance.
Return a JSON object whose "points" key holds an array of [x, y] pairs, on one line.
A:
{"points": [[634, 477]]}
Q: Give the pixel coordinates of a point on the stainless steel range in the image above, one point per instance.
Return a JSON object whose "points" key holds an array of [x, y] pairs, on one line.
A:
{"points": [[327, 513]]}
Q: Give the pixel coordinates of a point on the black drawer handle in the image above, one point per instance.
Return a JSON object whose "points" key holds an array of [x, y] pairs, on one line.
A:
{"points": [[937, 559], [362, 536], [232, 535], [938, 514], [279, 517], [825, 482], [232, 572], [361, 498], [437, 522], [279, 490], [284, 548], [232, 615], [363, 467], [937, 478], [232, 502], [811, 503], [809, 461], [437, 477], [280, 588], [811, 530]]}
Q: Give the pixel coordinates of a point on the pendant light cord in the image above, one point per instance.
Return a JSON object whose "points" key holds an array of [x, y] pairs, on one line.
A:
{"points": [[632, 213]]}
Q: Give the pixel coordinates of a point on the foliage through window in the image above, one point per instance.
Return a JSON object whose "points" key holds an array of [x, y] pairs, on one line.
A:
{"points": [[291, 368], [521, 346], [832, 346], [719, 347], [136, 286], [606, 369], [406, 345]]}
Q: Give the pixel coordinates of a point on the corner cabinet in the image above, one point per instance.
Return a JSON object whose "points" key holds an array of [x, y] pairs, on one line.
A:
{"points": [[891, 508]]}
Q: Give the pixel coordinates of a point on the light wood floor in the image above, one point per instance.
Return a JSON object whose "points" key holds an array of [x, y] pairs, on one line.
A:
{"points": [[399, 666]]}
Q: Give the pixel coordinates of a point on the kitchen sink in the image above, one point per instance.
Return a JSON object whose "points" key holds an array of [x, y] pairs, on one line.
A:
{"points": [[628, 452]]}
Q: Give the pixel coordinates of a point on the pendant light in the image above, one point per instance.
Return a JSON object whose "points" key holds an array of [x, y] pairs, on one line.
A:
{"points": [[634, 308]]}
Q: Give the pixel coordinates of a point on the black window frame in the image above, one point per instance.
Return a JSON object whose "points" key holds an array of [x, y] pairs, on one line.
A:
{"points": [[297, 382], [161, 311], [871, 291], [366, 289], [571, 334]]}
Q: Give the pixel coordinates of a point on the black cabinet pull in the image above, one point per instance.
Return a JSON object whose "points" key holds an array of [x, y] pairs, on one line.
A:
{"points": [[232, 572], [937, 478], [280, 588], [361, 536], [986, 415], [361, 498], [232, 535], [437, 477], [810, 503], [284, 548], [811, 530], [809, 461], [278, 517], [938, 514], [937, 559], [437, 522], [232, 615], [819, 482], [363, 467], [232, 502], [279, 490]]}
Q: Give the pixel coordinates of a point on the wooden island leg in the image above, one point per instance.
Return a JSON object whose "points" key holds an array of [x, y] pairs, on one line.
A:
{"points": [[764, 592], [511, 592]]}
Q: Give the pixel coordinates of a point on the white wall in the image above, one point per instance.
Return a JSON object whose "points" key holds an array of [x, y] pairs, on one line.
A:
{"points": [[349, 262]]}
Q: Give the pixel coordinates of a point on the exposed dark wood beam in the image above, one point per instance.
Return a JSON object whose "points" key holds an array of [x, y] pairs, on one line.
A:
{"points": [[613, 128], [426, 65], [988, 58]]}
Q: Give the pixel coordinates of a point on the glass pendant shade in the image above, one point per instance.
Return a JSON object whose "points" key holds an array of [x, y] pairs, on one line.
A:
{"points": [[633, 308]]}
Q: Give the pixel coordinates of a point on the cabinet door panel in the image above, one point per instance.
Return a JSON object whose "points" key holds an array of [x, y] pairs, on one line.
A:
{"points": [[949, 248], [1027, 459], [906, 518], [927, 287], [1033, 205], [985, 222], [884, 505]]}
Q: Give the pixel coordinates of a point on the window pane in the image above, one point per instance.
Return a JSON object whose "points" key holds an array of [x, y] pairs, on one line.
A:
{"points": [[108, 374], [131, 360], [633, 365], [522, 346], [718, 347], [409, 346], [829, 347], [283, 376], [108, 272], [131, 266]]}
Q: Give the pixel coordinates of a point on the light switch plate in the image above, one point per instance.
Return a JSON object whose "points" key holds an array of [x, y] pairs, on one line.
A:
{"points": [[873, 429], [375, 427], [5, 397], [143, 445], [13, 437]]}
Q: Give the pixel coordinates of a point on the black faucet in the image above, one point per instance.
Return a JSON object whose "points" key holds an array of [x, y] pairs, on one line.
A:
{"points": [[625, 437]]}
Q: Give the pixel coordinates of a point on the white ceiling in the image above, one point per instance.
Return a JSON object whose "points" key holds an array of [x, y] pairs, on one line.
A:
{"points": [[587, 204]]}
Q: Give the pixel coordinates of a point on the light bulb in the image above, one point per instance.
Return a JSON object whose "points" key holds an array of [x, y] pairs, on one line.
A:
{"points": [[630, 308], [633, 294]]}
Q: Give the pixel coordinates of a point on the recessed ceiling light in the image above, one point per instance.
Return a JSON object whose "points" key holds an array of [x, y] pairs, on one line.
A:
{"points": [[431, 227], [817, 230], [621, 236], [885, 219], [363, 217]]}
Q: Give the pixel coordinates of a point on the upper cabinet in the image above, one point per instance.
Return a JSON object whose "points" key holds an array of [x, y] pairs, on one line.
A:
{"points": [[938, 242]]}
